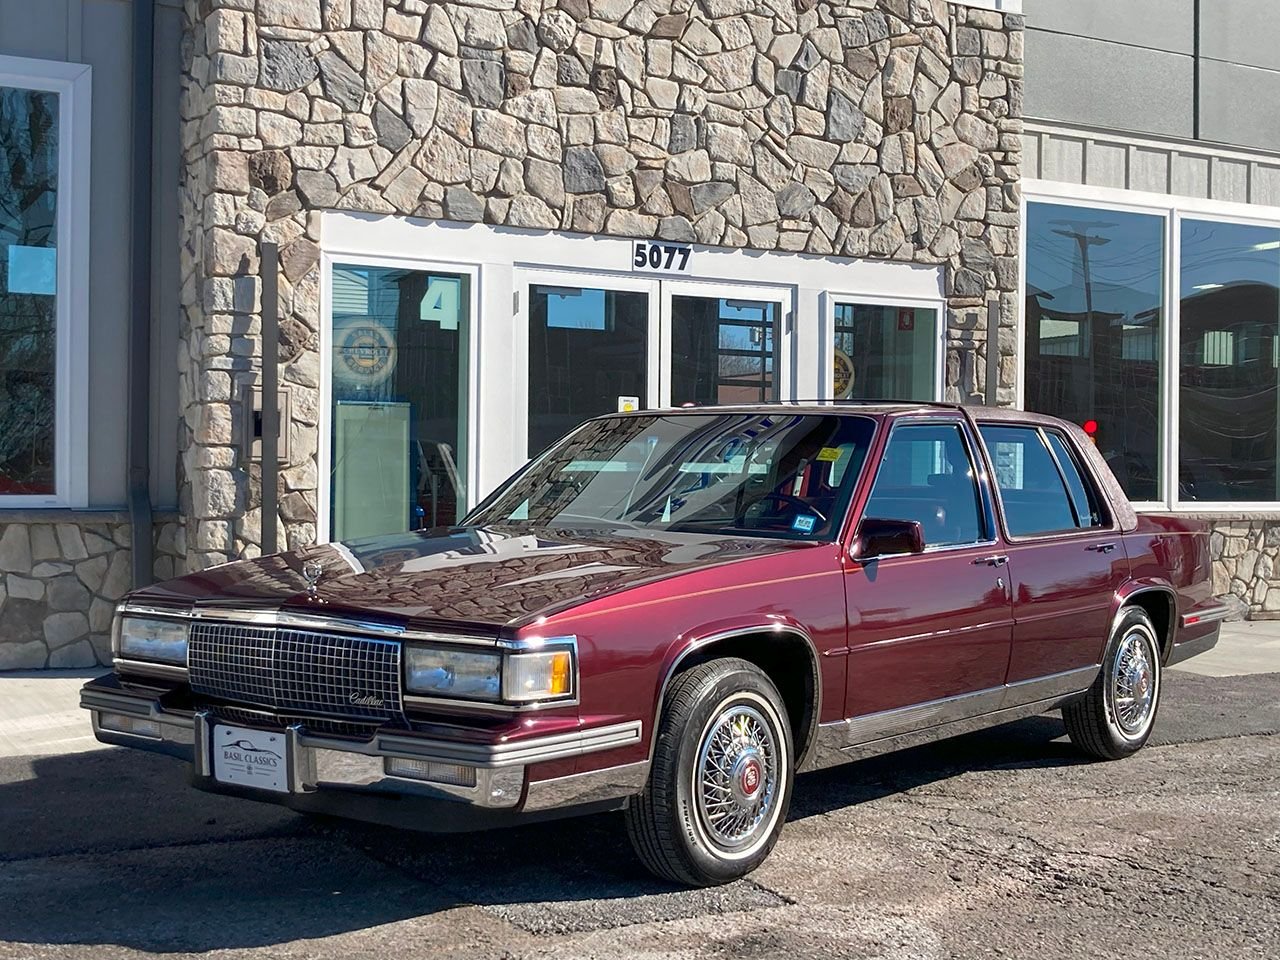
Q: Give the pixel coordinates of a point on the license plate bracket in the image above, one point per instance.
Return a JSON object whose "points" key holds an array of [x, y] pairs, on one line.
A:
{"points": [[251, 758]]}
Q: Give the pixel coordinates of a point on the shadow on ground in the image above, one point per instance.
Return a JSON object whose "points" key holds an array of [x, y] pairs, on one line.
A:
{"points": [[113, 848]]}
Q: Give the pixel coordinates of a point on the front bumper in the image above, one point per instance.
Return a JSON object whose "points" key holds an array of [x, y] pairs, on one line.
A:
{"points": [[349, 778]]}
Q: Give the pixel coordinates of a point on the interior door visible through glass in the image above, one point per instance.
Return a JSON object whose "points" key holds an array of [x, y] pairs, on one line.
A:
{"points": [[723, 350], [885, 352], [400, 361], [588, 356]]}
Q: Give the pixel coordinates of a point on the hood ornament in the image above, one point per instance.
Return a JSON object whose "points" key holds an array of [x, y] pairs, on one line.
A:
{"points": [[312, 571]]}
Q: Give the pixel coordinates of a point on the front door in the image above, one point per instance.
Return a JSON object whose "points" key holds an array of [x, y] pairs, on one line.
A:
{"points": [[932, 630]]}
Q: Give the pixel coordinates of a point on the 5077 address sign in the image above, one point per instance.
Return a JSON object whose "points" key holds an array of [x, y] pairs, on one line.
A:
{"points": [[648, 256]]}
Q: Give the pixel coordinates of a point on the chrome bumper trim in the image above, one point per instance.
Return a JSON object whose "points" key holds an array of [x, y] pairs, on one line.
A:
{"points": [[555, 747], [1194, 618], [611, 783]]}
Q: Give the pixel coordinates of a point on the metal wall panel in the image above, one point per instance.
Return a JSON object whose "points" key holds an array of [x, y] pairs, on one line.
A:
{"points": [[1158, 24], [1190, 175], [1103, 84], [1062, 159], [1240, 31], [35, 28], [1238, 105], [1106, 164], [1148, 170]]}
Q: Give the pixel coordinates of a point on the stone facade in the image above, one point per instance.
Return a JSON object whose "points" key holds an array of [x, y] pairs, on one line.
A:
{"points": [[61, 574], [869, 128], [1246, 565]]}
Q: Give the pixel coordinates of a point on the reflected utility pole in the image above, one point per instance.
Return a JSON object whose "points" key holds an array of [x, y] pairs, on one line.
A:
{"points": [[1078, 231]]}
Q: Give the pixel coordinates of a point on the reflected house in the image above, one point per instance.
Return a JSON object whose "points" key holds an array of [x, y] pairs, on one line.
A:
{"points": [[1230, 349]]}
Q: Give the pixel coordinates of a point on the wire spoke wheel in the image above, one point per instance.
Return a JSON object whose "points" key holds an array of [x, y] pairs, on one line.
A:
{"points": [[1133, 682], [736, 777]]}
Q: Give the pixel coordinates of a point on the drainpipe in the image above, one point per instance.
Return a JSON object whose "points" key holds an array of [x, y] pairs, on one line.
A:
{"points": [[139, 376]]}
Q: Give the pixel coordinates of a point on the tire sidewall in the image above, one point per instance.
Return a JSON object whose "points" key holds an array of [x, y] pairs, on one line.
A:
{"points": [[735, 686], [1123, 742]]}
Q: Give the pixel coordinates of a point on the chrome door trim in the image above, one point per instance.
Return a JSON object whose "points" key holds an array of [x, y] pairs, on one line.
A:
{"points": [[884, 731]]}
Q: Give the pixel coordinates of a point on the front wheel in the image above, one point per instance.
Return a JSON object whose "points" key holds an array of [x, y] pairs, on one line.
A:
{"points": [[1114, 719], [720, 783]]}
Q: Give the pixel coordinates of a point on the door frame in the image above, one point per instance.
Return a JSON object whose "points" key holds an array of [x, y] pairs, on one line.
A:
{"points": [[525, 276], [471, 390], [710, 288]]}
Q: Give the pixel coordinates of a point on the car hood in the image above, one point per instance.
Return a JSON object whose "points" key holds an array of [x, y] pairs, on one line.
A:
{"points": [[486, 577]]}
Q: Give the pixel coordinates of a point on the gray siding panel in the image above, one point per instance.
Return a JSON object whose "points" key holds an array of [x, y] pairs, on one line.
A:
{"points": [[34, 29], [1238, 105], [107, 46], [1159, 24], [1103, 84], [166, 163], [1241, 31]]}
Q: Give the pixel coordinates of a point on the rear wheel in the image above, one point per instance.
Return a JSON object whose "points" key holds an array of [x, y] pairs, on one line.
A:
{"points": [[1114, 719], [721, 778]]}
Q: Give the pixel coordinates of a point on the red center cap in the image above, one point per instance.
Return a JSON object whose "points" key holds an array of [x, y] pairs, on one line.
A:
{"points": [[750, 777]]}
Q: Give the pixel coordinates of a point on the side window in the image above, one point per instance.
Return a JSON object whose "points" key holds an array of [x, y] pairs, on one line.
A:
{"points": [[1084, 498], [1032, 490], [927, 475]]}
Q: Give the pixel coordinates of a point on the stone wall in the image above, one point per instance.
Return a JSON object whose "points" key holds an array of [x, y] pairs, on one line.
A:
{"points": [[868, 128], [61, 574], [1246, 565]]}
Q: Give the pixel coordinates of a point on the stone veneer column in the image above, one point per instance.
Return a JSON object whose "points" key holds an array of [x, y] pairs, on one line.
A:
{"points": [[869, 128]]}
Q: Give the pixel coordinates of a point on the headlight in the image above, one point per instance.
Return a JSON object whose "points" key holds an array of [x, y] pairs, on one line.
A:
{"points": [[462, 675], [146, 638], [500, 676]]}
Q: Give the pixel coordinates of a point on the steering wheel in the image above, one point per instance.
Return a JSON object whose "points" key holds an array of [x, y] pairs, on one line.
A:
{"points": [[782, 498]]}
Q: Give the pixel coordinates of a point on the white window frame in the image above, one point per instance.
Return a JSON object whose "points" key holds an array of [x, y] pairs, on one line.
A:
{"points": [[324, 454], [72, 82], [838, 298], [503, 259], [1173, 209]]}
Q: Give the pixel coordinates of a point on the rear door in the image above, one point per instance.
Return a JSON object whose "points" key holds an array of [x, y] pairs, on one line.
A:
{"points": [[1066, 560], [934, 626]]}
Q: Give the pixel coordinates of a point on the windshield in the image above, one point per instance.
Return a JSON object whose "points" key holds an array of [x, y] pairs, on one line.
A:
{"points": [[753, 474]]}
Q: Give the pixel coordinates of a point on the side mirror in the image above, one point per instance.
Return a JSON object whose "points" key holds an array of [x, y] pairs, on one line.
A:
{"points": [[885, 538]]}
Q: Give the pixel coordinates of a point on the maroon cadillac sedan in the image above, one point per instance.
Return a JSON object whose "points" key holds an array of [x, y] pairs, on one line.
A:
{"points": [[671, 613]]}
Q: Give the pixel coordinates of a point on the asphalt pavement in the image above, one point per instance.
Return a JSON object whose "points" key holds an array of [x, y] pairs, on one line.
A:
{"points": [[1003, 843]]}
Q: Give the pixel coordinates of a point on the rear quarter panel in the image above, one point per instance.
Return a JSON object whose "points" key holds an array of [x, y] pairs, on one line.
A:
{"points": [[1172, 551]]}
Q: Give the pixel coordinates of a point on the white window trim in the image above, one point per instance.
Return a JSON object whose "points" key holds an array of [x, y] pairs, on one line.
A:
{"points": [[1004, 6], [501, 256], [1173, 209], [73, 84]]}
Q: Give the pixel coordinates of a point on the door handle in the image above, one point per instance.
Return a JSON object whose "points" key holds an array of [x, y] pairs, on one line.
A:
{"points": [[1101, 547], [999, 560]]}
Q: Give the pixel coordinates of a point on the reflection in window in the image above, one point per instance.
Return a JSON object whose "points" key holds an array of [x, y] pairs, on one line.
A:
{"points": [[587, 355], [884, 353], [1228, 395], [399, 399], [926, 475], [28, 289], [1094, 314], [722, 351]]}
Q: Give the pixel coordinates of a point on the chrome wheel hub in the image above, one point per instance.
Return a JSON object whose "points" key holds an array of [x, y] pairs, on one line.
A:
{"points": [[1133, 683], [736, 783]]}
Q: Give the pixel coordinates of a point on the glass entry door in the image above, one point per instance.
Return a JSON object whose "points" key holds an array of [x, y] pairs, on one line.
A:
{"points": [[602, 344]]}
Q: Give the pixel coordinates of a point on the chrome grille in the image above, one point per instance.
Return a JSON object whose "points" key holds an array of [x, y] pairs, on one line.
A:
{"points": [[296, 671]]}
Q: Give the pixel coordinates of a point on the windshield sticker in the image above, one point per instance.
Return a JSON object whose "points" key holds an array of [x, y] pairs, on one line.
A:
{"points": [[828, 455], [804, 523]]}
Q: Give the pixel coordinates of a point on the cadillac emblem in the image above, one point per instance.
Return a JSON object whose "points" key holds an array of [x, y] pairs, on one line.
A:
{"points": [[312, 571]]}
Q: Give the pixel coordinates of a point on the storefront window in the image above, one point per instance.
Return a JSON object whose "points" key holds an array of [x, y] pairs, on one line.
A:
{"points": [[1094, 321], [722, 350], [1228, 399], [885, 353], [28, 289], [400, 340], [587, 357]]}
